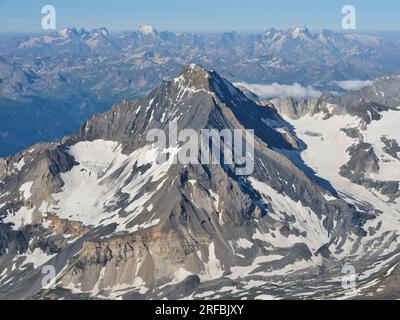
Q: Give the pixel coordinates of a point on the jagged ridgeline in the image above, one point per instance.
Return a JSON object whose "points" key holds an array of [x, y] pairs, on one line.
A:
{"points": [[58, 80], [111, 222]]}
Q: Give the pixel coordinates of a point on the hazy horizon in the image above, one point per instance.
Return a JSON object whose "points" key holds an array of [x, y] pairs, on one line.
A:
{"points": [[207, 16]]}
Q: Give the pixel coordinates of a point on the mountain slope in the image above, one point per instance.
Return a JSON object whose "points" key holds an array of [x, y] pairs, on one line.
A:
{"points": [[354, 146], [365, 121], [113, 222]]}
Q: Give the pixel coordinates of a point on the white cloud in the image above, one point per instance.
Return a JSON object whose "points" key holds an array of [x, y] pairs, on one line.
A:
{"points": [[353, 84], [276, 90]]}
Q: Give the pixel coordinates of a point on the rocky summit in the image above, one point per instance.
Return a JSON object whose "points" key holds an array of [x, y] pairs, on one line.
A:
{"points": [[95, 216]]}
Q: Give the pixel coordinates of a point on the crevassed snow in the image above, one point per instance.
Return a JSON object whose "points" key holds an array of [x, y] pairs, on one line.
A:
{"points": [[327, 152], [92, 187], [82, 194]]}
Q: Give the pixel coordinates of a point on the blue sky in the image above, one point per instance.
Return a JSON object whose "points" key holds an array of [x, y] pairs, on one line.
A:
{"points": [[199, 15]]}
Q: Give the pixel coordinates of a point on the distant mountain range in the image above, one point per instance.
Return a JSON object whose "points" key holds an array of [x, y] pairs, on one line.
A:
{"points": [[58, 80]]}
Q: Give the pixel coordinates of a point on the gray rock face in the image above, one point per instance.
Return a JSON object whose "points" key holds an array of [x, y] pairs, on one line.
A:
{"points": [[249, 94], [294, 109], [392, 148], [3, 168], [363, 162], [384, 92], [114, 223]]}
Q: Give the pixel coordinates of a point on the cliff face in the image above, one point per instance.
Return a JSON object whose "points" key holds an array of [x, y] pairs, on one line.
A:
{"points": [[152, 259]]}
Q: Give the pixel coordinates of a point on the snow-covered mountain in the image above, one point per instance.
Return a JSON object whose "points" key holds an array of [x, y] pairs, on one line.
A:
{"points": [[86, 71], [115, 223], [293, 55], [367, 120]]}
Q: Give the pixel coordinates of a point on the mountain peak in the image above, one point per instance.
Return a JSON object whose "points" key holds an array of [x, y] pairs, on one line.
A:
{"points": [[103, 31], [68, 32], [270, 31], [300, 31], [195, 76], [74, 33], [194, 72], [147, 30]]}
